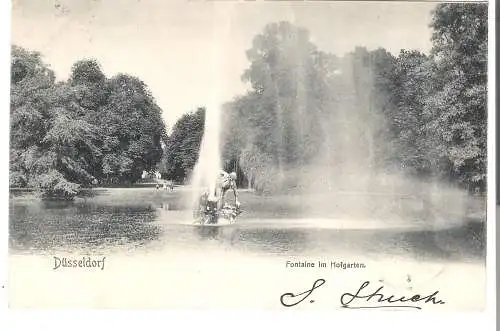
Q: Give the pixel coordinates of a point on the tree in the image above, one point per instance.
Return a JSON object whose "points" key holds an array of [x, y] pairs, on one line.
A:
{"points": [[457, 107], [285, 74], [414, 145], [280, 120], [183, 145], [71, 133], [133, 129]]}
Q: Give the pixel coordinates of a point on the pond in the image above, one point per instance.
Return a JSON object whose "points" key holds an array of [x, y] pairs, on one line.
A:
{"points": [[149, 219], [156, 258]]}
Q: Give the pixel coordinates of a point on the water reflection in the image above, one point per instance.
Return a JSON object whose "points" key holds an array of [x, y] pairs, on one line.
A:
{"points": [[208, 232], [42, 226], [154, 224], [461, 244]]}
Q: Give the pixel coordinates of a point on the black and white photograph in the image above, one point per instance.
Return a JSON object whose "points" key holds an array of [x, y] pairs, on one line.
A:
{"points": [[275, 155]]}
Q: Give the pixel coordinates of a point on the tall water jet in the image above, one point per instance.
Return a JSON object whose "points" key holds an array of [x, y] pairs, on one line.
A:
{"points": [[208, 165], [209, 160]]}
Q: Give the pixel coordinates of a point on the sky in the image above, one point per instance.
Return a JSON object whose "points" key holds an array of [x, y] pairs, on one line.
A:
{"points": [[192, 53]]}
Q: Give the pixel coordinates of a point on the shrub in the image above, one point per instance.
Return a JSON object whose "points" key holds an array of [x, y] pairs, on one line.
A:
{"points": [[17, 179], [53, 186]]}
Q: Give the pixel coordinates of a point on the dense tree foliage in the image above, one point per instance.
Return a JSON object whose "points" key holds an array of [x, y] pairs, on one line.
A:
{"points": [[278, 125], [458, 106], [422, 114], [370, 110], [87, 129], [183, 146]]}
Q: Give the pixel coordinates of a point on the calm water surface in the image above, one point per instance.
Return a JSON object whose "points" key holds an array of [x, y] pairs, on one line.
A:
{"points": [[145, 220]]}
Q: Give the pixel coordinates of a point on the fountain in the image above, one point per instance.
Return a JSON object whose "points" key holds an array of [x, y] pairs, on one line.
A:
{"points": [[209, 160], [208, 164]]}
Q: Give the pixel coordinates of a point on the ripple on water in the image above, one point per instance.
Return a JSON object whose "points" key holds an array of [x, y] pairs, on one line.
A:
{"points": [[154, 225]]}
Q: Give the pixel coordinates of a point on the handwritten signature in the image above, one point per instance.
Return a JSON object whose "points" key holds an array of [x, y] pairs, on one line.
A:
{"points": [[353, 301]]}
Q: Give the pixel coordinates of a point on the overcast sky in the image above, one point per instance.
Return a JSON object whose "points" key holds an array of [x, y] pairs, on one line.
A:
{"points": [[193, 53]]}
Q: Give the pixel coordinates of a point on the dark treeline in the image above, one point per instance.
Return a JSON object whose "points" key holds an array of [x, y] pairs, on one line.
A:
{"points": [[368, 111], [88, 129], [423, 114], [183, 146], [419, 114]]}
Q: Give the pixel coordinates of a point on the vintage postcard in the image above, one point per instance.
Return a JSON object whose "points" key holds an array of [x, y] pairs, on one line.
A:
{"points": [[290, 156]]}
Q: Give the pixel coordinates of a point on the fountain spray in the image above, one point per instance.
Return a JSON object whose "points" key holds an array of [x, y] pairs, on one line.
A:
{"points": [[208, 166]]}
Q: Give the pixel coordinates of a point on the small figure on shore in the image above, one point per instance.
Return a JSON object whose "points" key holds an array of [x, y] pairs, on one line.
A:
{"points": [[168, 185]]}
